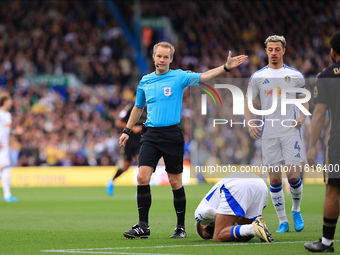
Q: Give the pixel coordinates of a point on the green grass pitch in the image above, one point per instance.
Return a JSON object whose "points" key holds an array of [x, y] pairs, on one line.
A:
{"points": [[87, 221]]}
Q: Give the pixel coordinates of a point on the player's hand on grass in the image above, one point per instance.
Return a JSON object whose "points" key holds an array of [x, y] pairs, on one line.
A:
{"points": [[122, 140], [233, 62], [255, 132], [299, 122], [311, 154]]}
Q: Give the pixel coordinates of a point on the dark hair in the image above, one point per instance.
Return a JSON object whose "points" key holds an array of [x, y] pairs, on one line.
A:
{"points": [[204, 231], [335, 42]]}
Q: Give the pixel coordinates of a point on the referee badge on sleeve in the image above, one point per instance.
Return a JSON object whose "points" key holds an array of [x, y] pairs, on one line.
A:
{"points": [[167, 91]]}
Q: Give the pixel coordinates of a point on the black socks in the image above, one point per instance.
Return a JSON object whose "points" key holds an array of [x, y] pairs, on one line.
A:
{"points": [[329, 228], [118, 173], [180, 203], [144, 203]]}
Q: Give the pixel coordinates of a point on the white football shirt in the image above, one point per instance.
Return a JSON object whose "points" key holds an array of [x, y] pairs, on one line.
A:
{"points": [[263, 83], [5, 128]]}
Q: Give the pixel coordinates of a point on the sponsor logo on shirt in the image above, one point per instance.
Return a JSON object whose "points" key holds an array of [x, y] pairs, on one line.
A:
{"points": [[270, 92]]}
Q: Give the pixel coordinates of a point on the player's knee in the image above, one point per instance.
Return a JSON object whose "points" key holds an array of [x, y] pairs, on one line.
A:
{"points": [[175, 183], [275, 181], [293, 180], [142, 179]]}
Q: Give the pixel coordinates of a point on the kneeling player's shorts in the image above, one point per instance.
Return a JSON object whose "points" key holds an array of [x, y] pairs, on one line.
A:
{"points": [[166, 142], [240, 197], [277, 150]]}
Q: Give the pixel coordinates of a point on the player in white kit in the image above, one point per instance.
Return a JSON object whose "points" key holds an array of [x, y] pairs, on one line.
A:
{"points": [[232, 210], [5, 130], [280, 134]]}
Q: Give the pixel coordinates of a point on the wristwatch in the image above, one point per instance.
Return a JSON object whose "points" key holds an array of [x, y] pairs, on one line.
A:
{"points": [[127, 130], [225, 68]]}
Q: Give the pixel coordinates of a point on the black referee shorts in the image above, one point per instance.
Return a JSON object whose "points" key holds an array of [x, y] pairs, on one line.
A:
{"points": [[166, 142]]}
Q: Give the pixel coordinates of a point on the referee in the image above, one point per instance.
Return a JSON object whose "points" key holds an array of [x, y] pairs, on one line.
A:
{"points": [[162, 92], [326, 95]]}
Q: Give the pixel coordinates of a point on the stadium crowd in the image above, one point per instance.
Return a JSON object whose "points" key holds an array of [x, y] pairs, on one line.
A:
{"points": [[76, 130], [58, 37]]}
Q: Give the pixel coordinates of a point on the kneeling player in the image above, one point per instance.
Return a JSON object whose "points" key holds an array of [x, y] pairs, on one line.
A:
{"points": [[232, 210]]}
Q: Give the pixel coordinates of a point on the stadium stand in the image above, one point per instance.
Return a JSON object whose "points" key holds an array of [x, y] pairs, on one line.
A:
{"points": [[84, 38]]}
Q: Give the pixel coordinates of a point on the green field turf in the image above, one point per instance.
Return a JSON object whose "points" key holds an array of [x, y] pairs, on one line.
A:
{"points": [[67, 219]]}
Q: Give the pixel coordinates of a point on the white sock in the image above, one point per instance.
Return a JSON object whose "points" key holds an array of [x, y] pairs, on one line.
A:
{"points": [[326, 241], [278, 200], [247, 230], [296, 192], [6, 181]]}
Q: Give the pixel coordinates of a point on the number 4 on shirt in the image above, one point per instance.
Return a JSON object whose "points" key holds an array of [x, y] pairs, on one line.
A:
{"points": [[297, 146]]}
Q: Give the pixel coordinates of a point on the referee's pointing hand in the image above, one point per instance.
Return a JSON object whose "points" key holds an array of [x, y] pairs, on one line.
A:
{"points": [[235, 61]]}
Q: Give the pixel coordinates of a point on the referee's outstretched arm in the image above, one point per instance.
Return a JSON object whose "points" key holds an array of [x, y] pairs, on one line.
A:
{"points": [[134, 117], [218, 71]]}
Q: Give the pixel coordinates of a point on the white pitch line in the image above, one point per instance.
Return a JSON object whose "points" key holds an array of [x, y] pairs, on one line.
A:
{"points": [[100, 250], [107, 252]]}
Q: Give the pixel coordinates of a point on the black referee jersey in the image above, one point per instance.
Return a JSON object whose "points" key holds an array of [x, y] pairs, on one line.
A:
{"points": [[327, 91]]}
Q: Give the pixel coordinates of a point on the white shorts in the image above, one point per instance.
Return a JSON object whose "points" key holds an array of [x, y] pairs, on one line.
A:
{"points": [[5, 160], [277, 150], [247, 200]]}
